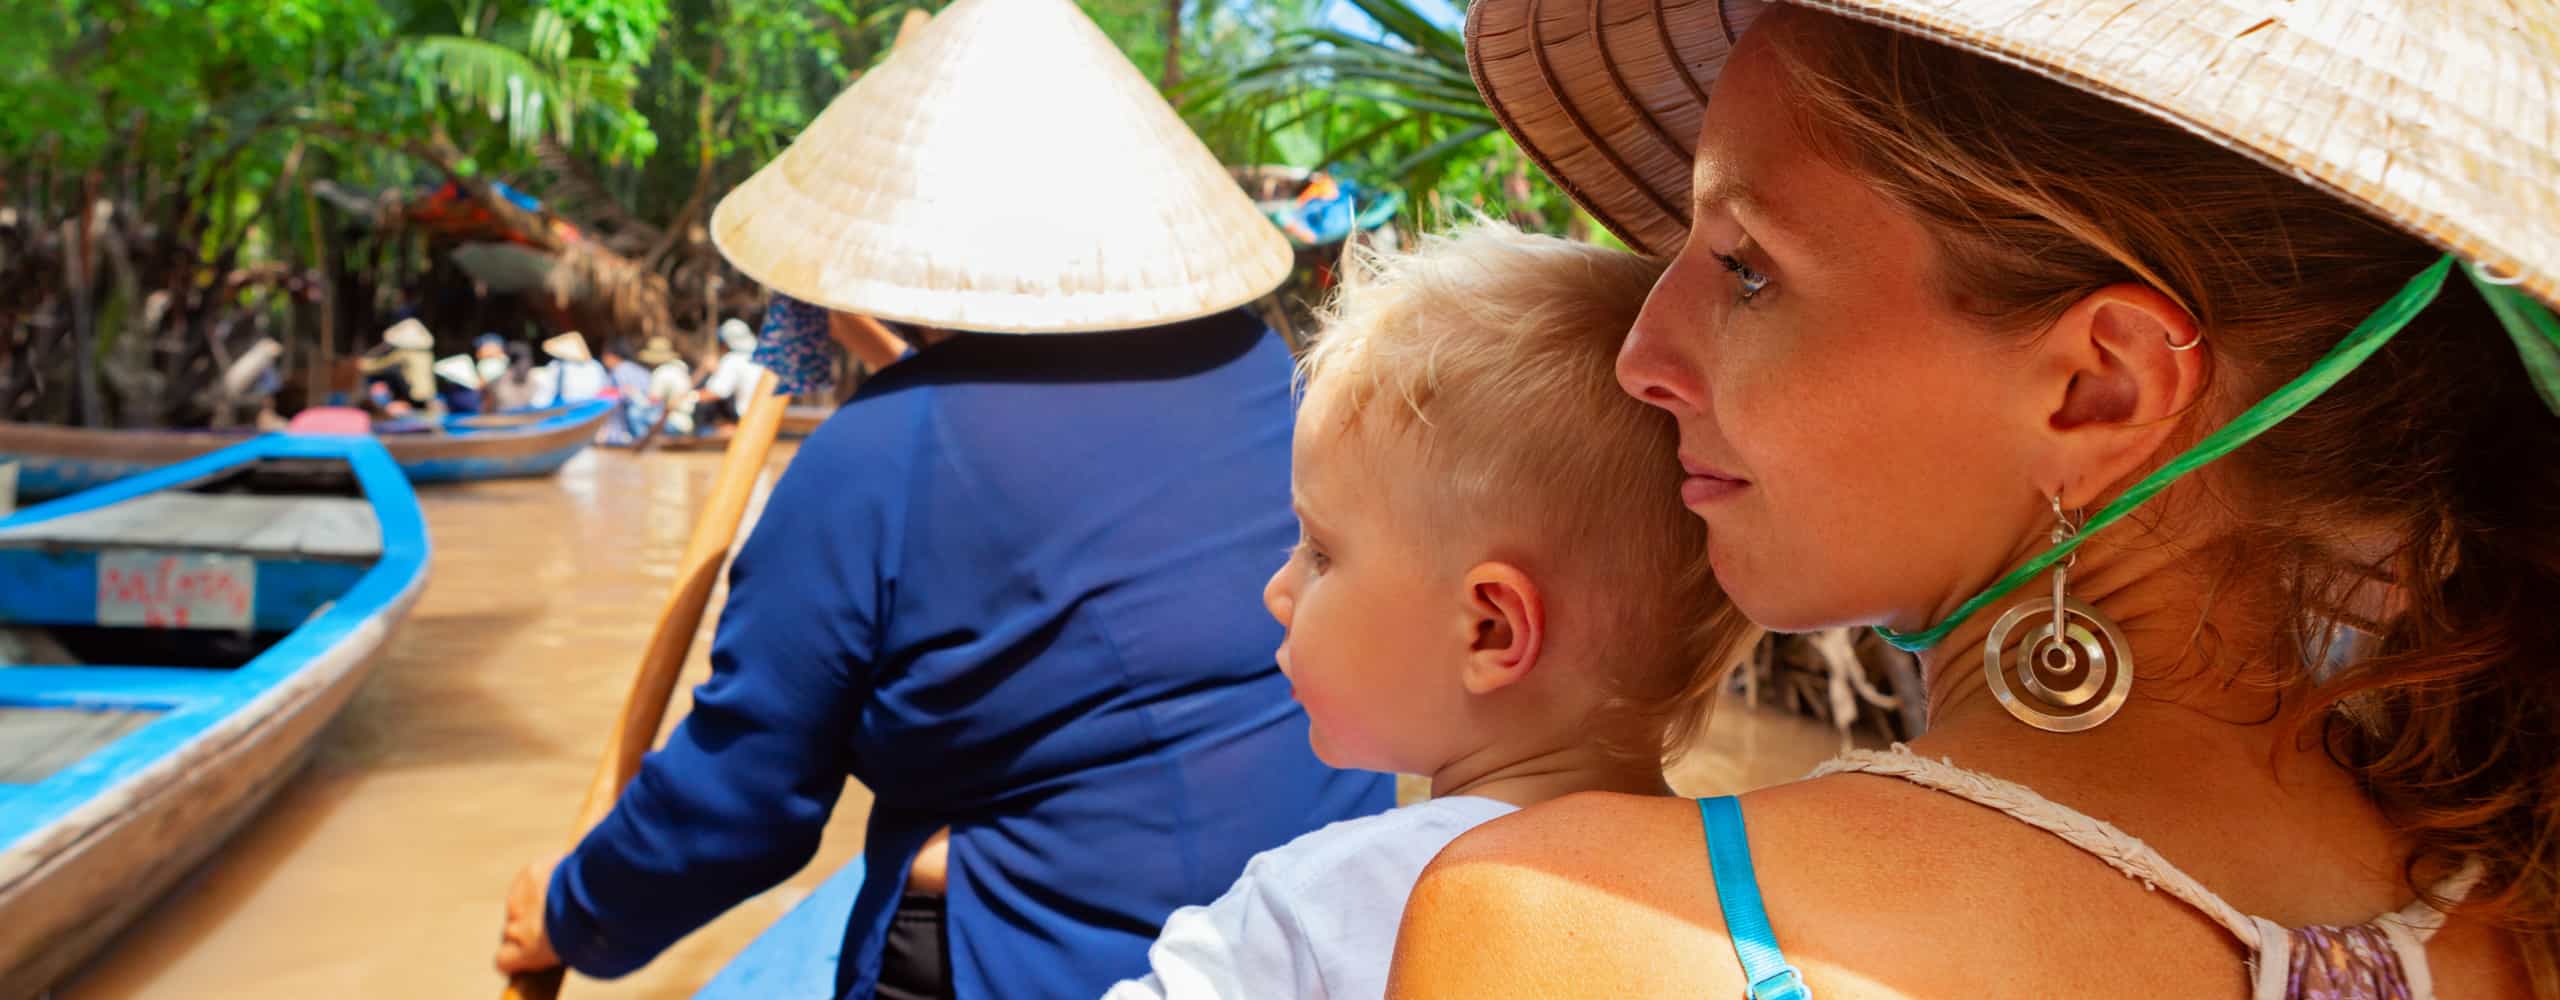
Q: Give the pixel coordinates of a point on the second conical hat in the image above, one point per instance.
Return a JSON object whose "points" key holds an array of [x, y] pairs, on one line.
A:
{"points": [[568, 347], [1004, 170]]}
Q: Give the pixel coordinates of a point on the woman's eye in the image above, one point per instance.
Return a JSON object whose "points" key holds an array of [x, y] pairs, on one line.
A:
{"points": [[1752, 281]]}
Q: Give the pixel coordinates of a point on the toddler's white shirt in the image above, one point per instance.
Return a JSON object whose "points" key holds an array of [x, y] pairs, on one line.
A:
{"points": [[1313, 918]]}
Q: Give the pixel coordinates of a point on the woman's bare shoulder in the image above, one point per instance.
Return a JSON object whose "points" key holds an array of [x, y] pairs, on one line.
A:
{"points": [[1876, 890], [1651, 849], [1555, 900]]}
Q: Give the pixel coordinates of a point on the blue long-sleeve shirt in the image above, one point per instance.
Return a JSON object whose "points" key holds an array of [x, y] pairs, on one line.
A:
{"points": [[1013, 587]]}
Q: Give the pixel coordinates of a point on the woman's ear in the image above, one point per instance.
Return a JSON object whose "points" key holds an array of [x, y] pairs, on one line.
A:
{"points": [[1506, 626], [2119, 375]]}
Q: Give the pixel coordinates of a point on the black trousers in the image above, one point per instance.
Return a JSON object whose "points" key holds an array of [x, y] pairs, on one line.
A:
{"points": [[915, 960]]}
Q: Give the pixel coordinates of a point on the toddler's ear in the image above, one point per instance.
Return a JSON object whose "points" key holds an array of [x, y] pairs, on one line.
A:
{"points": [[1506, 622]]}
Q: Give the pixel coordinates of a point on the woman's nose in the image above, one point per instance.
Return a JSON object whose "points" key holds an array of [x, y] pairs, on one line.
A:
{"points": [[1652, 364]]}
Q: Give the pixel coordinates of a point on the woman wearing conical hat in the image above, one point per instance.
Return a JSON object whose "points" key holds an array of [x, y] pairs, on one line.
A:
{"points": [[1971, 310], [724, 390], [670, 395], [1013, 585], [401, 372], [573, 375]]}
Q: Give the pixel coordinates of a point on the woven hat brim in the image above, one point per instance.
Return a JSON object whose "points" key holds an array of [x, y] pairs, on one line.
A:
{"points": [[2437, 116], [409, 335], [944, 190], [568, 347], [459, 370]]}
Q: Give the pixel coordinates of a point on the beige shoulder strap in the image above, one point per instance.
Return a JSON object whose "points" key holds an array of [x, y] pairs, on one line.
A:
{"points": [[2120, 850], [2270, 945]]}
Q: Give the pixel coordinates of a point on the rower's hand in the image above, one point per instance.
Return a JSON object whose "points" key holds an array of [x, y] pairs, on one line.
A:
{"points": [[523, 946]]}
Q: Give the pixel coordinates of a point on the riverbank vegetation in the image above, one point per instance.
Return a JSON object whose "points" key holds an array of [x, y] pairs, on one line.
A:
{"points": [[182, 179]]}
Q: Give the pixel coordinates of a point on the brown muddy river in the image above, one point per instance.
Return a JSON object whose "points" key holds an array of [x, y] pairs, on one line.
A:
{"points": [[378, 872]]}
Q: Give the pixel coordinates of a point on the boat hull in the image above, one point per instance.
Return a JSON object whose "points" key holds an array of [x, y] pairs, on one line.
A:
{"points": [[86, 851], [57, 461], [98, 876]]}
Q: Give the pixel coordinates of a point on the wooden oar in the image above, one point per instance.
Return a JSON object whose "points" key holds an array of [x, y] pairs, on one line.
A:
{"points": [[646, 706]]}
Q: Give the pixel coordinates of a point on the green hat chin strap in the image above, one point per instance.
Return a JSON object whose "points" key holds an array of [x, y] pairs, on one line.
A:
{"points": [[2537, 339]]}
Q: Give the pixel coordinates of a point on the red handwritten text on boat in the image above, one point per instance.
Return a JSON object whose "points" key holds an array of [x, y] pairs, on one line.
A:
{"points": [[176, 590]]}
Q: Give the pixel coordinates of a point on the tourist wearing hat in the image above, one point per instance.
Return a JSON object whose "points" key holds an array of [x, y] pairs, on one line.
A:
{"points": [[630, 377], [723, 396], [573, 376], [670, 390], [489, 355], [400, 374], [513, 388], [1013, 585], [458, 383], [1972, 307], [631, 396]]}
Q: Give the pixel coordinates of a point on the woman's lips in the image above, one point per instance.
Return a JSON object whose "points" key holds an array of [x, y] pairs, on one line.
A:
{"points": [[1706, 483]]}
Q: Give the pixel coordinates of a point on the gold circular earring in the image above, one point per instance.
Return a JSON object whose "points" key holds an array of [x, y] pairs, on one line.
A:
{"points": [[2056, 663]]}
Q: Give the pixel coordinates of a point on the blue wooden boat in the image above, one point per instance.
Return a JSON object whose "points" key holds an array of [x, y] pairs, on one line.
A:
{"points": [[796, 957], [169, 647], [53, 461]]}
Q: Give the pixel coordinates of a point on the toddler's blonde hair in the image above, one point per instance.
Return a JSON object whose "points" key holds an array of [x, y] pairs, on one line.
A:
{"points": [[1492, 354]]}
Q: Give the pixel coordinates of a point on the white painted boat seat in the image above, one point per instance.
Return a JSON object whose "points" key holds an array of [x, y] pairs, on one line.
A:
{"points": [[36, 742], [248, 524]]}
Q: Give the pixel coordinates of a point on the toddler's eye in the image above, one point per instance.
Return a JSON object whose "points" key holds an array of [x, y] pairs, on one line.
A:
{"points": [[1314, 557], [1752, 281]]}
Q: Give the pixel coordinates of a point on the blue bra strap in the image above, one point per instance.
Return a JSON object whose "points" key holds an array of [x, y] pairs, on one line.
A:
{"points": [[1738, 892]]}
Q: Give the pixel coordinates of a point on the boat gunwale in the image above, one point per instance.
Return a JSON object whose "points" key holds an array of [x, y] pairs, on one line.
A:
{"points": [[561, 432], [332, 642]]}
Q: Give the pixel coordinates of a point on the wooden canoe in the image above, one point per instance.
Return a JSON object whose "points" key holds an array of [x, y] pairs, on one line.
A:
{"points": [[53, 461], [169, 647]]}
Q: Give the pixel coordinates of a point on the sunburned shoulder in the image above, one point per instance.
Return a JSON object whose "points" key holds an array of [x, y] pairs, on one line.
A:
{"points": [[1568, 898], [1876, 890]]}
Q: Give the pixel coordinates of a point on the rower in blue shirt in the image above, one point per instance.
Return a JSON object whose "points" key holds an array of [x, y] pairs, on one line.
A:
{"points": [[1013, 585]]}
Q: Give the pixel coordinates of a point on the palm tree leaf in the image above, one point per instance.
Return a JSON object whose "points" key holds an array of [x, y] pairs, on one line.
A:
{"points": [[516, 90], [1337, 151], [1401, 19], [1438, 153]]}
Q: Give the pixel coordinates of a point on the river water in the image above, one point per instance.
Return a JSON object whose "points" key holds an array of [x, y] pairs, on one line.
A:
{"points": [[379, 871]]}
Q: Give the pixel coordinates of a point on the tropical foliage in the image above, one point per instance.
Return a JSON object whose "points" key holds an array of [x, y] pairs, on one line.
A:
{"points": [[179, 178], [1383, 94]]}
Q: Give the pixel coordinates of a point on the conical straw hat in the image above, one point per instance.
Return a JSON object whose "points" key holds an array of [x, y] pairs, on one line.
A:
{"points": [[409, 335], [460, 370], [568, 347], [2437, 114], [1005, 170]]}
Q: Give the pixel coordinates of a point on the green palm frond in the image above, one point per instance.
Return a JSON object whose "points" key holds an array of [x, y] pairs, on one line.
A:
{"points": [[1401, 101], [530, 88], [1400, 19]]}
